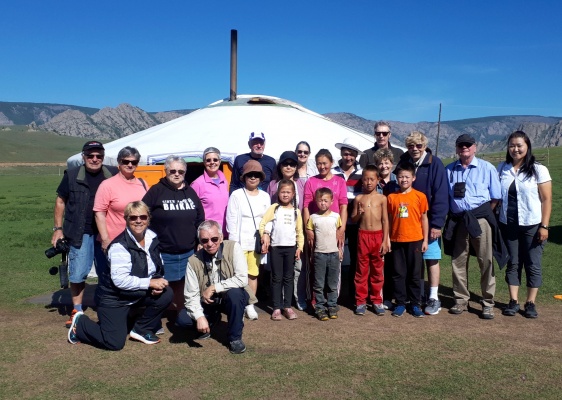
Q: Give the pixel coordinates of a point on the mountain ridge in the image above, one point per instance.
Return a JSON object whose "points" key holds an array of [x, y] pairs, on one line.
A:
{"points": [[112, 123]]}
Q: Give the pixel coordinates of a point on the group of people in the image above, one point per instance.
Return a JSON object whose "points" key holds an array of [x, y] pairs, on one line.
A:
{"points": [[198, 249]]}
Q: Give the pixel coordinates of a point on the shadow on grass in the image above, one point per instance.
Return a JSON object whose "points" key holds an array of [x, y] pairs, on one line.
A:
{"points": [[555, 234]]}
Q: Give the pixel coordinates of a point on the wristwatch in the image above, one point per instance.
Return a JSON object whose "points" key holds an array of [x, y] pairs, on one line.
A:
{"points": [[57, 228], [544, 227]]}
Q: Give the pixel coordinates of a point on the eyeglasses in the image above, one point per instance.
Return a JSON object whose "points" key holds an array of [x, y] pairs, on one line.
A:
{"points": [[127, 162], [214, 239], [461, 145], [382, 133], [177, 171], [135, 217], [418, 146], [292, 165], [212, 160], [92, 156], [253, 175], [305, 152]]}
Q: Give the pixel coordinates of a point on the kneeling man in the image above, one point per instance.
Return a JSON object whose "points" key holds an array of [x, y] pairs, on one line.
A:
{"points": [[215, 281]]}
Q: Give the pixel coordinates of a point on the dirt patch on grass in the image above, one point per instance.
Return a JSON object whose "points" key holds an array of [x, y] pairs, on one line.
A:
{"points": [[351, 357]]}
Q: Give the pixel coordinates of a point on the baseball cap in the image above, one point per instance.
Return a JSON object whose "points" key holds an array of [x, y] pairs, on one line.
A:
{"points": [[465, 138], [92, 144], [259, 136]]}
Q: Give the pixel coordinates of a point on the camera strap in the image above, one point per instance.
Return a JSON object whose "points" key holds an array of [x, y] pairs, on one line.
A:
{"points": [[461, 173]]}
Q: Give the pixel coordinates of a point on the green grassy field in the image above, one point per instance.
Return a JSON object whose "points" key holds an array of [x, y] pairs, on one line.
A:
{"points": [[439, 357], [24, 146]]}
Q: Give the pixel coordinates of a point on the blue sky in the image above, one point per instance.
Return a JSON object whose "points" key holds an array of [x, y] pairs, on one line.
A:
{"points": [[380, 60]]}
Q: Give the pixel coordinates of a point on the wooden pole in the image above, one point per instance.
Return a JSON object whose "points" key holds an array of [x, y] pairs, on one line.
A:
{"points": [[438, 131]]}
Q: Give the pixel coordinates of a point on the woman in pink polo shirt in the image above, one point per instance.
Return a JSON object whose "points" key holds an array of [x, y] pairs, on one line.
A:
{"points": [[115, 193], [212, 188]]}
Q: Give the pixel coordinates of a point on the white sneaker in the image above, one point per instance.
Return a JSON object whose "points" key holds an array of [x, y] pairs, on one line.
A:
{"points": [[251, 313]]}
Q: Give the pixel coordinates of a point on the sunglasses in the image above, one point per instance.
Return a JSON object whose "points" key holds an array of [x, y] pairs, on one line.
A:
{"points": [[213, 239], [382, 133], [92, 156], [212, 160], [127, 162], [177, 171], [305, 152], [135, 217], [292, 165], [417, 146], [256, 175], [461, 145]]}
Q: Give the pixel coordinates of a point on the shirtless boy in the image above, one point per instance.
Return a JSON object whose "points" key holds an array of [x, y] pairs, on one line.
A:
{"points": [[373, 243]]}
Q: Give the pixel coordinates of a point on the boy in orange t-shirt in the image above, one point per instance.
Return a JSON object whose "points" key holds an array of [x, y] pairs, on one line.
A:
{"points": [[407, 215]]}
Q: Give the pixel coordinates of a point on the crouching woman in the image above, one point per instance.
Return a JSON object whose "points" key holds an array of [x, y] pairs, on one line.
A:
{"points": [[133, 280]]}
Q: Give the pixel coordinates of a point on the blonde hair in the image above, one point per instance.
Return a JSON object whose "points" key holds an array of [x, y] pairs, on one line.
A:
{"points": [[137, 206], [416, 137]]}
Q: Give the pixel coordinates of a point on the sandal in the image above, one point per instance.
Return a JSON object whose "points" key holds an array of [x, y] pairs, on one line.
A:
{"points": [[276, 316], [289, 313]]}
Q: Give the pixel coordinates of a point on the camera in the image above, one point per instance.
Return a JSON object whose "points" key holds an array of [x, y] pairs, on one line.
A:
{"points": [[61, 246], [459, 190]]}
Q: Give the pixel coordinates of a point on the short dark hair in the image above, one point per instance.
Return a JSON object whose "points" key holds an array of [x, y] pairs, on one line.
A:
{"points": [[324, 153], [322, 191], [372, 168], [128, 151], [405, 166]]}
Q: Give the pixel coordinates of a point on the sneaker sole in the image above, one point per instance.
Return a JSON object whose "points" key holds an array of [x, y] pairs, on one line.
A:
{"points": [[139, 338], [238, 352], [251, 318], [72, 326], [433, 313], [204, 336], [397, 315]]}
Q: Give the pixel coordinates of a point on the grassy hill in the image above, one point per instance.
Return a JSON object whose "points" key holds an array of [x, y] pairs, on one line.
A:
{"points": [[19, 145]]}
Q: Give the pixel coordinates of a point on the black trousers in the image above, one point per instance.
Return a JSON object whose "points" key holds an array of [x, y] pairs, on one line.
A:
{"points": [[408, 262], [282, 275], [233, 303], [110, 332]]}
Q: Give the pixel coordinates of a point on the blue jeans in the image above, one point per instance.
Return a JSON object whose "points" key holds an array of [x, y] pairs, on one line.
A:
{"points": [[326, 275], [80, 259]]}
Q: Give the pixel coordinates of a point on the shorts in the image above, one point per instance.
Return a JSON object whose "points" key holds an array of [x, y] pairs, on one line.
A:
{"points": [[253, 259], [80, 259], [175, 265], [433, 250]]}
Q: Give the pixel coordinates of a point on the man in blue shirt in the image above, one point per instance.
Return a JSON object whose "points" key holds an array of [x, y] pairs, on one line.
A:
{"points": [[474, 190], [256, 142]]}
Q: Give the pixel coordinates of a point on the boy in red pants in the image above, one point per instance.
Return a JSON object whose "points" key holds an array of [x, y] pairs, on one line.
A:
{"points": [[370, 211]]}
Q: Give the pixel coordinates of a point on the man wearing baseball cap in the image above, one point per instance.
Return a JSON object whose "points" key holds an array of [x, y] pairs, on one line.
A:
{"points": [[75, 203], [471, 227], [256, 142]]}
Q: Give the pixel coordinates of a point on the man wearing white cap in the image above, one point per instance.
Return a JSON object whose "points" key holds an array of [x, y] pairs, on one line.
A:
{"points": [[349, 169], [256, 143]]}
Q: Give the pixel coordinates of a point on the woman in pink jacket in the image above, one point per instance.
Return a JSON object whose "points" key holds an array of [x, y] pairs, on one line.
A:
{"points": [[212, 188]]}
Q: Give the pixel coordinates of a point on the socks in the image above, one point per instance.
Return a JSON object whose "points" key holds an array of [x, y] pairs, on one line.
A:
{"points": [[78, 307], [433, 292]]}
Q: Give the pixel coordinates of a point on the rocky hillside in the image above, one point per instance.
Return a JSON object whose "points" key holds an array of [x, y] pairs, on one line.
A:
{"points": [[489, 132], [107, 123], [125, 119]]}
